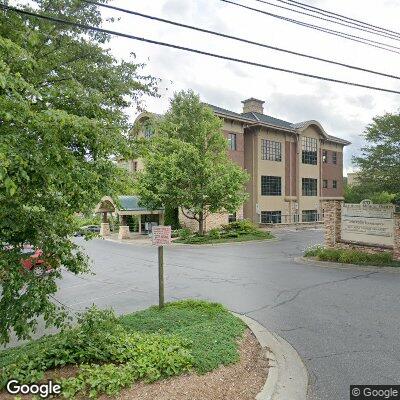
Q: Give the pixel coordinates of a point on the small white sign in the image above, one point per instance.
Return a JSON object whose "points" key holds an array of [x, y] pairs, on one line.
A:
{"points": [[161, 235]]}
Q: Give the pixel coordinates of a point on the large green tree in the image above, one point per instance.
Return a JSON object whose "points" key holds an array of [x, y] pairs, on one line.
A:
{"points": [[187, 163], [63, 102], [379, 161]]}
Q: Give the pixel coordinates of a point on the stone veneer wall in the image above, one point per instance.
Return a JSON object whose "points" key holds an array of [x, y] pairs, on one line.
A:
{"points": [[332, 224], [212, 221], [396, 250]]}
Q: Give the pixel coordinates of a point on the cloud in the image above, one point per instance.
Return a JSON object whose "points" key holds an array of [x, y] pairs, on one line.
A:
{"points": [[367, 101], [176, 8]]}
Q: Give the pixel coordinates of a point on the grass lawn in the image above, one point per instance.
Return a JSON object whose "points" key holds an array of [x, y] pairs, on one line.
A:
{"points": [[349, 256], [214, 240], [111, 353], [212, 330]]}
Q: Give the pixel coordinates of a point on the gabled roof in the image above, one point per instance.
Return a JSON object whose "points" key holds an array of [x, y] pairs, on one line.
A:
{"points": [[228, 113], [124, 203], [272, 122], [269, 120]]}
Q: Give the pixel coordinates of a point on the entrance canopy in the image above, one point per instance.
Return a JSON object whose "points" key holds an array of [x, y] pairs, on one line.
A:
{"points": [[125, 205]]}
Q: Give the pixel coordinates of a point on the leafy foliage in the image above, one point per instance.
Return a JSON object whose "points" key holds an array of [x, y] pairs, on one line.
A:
{"points": [[349, 256], [357, 193], [114, 352], [380, 160], [63, 98], [211, 328], [117, 357], [171, 217], [238, 231], [187, 163]]}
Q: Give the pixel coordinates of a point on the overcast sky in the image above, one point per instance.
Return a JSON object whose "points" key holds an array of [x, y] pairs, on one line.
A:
{"points": [[342, 110]]}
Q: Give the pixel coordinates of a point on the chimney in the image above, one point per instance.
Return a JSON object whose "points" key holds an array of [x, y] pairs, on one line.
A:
{"points": [[253, 105]]}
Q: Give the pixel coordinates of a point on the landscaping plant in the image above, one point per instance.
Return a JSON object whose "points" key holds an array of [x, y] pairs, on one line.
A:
{"points": [[111, 353], [352, 256], [243, 230]]}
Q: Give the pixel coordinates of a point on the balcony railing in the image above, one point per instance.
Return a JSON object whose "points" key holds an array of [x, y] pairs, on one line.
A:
{"points": [[292, 219]]}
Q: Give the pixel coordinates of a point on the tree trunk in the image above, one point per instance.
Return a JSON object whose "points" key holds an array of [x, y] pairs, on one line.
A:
{"points": [[201, 223]]}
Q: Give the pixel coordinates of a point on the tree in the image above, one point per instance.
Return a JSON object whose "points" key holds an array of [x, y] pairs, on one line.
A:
{"points": [[379, 161], [357, 193], [63, 102], [187, 164]]}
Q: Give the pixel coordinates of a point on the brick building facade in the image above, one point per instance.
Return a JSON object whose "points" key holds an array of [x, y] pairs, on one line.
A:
{"points": [[293, 167]]}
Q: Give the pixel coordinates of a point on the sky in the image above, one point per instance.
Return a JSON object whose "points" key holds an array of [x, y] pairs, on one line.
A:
{"points": [[343, 111]]}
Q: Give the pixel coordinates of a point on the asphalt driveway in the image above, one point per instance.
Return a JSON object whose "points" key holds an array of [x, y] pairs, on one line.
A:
{"points": [[344, 323]]}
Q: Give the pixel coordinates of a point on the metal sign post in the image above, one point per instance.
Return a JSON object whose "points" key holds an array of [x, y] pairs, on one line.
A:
{"points": [[161, 235]]}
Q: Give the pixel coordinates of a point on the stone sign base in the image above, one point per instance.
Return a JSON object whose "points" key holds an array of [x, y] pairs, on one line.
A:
{"points": [[333, 237], [124, 232]]}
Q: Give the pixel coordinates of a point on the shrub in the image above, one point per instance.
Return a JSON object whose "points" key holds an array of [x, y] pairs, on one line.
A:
{"points": [[100, 339], [241, 227], [214, 233], [313, 251], [184, 233], [112, 353], [351, 256]]}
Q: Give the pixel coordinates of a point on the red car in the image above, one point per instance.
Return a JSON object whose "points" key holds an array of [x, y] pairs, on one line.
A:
{"points": [[31, 257]]}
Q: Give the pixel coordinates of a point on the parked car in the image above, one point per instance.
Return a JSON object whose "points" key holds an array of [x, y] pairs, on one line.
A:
{"points": [[31, 257], [88, 228]]}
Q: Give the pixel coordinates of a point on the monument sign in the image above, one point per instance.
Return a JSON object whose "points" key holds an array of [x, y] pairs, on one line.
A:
{"points": [[368, 223]]}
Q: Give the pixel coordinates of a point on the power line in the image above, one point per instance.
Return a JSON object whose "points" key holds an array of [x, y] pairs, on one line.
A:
{"points": [[344, 22], [191, 50], [239, 39], [336, 15], [354, 38]]}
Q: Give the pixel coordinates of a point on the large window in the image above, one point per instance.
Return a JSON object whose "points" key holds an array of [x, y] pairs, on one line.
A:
{"points": [[271, 150], [232, 217], [334, 157], [309, 186], [148, 132], [324, 156], [271, 186], [271, 217], [309, 150], [232, 141], [309, 215]]}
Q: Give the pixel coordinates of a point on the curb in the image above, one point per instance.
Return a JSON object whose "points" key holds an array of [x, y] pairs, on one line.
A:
{"points": [[330, 264], [287, 375], [274, 239], [194, 245]]}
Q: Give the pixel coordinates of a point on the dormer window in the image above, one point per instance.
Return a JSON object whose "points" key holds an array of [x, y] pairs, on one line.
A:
{"points": [[148, 132]]}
